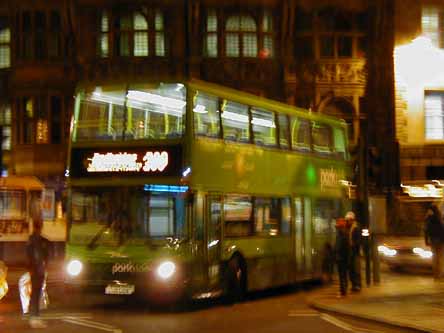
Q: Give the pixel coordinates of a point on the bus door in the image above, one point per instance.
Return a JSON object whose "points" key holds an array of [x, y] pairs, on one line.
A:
{"points": [[213, 239], [308, 231], [303, 237], [198, 236]]}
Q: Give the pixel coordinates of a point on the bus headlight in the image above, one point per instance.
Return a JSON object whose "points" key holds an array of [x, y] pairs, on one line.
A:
{"points": [[74, 267], [166, 270]]}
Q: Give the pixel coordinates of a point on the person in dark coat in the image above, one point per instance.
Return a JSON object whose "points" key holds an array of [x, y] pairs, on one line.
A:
{"points": [[342, 253], [355, 251], [37, 252], [434, 237]]}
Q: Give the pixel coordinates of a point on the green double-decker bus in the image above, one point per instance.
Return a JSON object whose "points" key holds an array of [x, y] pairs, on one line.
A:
{"points": [[195, 190]]}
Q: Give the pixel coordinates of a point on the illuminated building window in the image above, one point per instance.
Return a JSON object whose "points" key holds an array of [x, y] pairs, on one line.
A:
{"points": [[103, 40], [434, 115], [5, 44], [160, 36], [432, 22], [241, 37], [140, 35], [135, 34], [5, 123], [211, 45], [39, 120], [244, 36]]}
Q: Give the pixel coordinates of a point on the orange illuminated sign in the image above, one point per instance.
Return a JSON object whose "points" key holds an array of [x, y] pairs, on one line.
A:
{"points": [[127, 162]]}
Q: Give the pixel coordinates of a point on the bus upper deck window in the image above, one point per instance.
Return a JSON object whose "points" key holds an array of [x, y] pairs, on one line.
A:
{"points": [[206, 115]]}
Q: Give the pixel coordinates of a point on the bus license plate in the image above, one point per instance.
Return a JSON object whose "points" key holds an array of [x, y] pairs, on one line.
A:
{"points": [[119, 289]]}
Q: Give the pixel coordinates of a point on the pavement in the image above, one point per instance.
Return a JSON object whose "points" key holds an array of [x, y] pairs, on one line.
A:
{"points": [[406, 300], [54, 269]]}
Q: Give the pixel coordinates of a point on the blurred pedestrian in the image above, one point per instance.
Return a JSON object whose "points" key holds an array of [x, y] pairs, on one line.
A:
{"points": [[37, 251], [355, 251], [342, 253], [434, 237]]}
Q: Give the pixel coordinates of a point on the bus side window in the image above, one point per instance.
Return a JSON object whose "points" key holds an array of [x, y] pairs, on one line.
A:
{"points": [[300, 134], [238, 216], [267, 216], [235, 122], [339, 143], [206, 115], [284, 134], [322, 138]]}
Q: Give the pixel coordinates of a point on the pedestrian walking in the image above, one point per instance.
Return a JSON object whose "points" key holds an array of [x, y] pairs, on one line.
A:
{"points": [[434, 237], [37, 251], [355, 251], [342, 253]]}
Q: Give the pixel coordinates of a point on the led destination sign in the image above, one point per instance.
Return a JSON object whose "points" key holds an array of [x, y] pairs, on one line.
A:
{"points": [[125, 162], [160, 161]]}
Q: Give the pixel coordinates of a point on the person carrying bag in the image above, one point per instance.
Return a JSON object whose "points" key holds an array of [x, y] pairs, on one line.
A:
{"points": [[37, 251]]}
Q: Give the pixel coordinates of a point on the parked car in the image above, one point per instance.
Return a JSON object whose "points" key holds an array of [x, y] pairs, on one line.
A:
{"points": [[405, 252]]}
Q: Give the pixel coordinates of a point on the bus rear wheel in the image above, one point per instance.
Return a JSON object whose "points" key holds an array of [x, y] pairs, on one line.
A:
{"points": [[235, 280]]}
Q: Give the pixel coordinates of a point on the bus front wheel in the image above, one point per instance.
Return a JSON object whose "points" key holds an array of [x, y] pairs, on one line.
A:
{"points": [[235, 280]]}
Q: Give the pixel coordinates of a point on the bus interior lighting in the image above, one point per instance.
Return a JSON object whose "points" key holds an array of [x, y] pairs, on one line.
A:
{"points": [[200, 109], [155, 99], [166, 188]]}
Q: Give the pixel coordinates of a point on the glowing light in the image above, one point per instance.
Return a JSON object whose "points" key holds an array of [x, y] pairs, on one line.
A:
{"points": [[387, 251], [419, 63], [425, 191], [155, 161], [155, 99], [263, 122], [126, 162], [235, 116], [166, 270], [74, 267], [422, 253], [165, 188], [186, 172], [365, 233], [200, 109], [213, 243], [111, 162]]}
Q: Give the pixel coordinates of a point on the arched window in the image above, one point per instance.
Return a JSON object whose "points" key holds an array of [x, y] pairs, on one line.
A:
{"points": [[134, 34], [241, 37]]}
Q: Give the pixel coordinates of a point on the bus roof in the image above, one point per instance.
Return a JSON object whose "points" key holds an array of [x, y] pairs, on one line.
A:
{"points": [[20, 183]]}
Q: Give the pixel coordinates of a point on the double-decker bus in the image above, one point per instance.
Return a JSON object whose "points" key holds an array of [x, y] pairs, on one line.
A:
{"points": [[193, 189]]}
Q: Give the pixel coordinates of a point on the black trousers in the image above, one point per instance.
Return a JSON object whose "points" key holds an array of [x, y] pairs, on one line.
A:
{"points": [[343, 276], [355, 271], [36, 293]]}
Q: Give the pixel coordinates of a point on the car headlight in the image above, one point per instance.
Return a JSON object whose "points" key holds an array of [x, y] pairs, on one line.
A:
{"points": [[387, 251], [166, 270], [422, 253], [74, 267]]}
